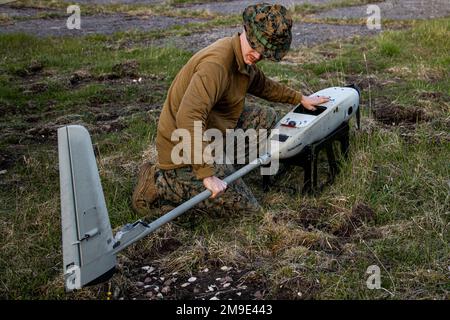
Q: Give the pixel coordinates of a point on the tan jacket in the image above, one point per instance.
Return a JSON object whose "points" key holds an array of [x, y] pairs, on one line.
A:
{"points": [[211, 88]]}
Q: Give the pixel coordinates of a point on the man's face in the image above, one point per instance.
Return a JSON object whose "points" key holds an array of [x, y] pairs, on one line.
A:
{"points": [[250, 55]]}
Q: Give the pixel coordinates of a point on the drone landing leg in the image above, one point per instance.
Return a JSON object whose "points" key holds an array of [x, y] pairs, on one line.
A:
{"points": [[308, 159]]}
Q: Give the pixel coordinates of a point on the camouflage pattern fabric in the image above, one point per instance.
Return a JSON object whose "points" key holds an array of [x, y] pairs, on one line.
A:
{"points": [[268, 29], [179, 185], [255, 116]]}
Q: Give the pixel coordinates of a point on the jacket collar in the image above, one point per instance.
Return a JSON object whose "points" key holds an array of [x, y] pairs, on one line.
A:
{"points": [[242, 67]]}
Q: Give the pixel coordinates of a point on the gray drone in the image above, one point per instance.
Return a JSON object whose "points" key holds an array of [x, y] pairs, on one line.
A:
{"points": [[89, 246]]}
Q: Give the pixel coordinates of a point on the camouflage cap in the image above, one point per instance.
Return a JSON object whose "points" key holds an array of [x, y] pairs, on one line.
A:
{"points": [[268, 29]]}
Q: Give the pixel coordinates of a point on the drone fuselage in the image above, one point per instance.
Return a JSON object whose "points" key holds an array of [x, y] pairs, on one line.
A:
{"points": [[301, 127]]}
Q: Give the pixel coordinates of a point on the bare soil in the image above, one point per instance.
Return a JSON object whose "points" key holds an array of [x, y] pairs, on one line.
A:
{"points": [[102, 114], [209, 283], [147, 279], [395, 114]]}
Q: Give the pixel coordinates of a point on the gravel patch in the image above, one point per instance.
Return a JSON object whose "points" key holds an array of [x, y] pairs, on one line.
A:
{"points": [[237, 6], [395, 9], [98, 24], [304, 34]]}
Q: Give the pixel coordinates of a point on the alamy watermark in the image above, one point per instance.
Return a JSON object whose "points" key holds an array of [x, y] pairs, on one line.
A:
{"points": [[374, 279], [74, 20], [374, 20], [73, 278], [238, 147]]}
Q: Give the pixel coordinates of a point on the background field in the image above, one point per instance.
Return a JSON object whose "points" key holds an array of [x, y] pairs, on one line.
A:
{"points": [[389, 206]]}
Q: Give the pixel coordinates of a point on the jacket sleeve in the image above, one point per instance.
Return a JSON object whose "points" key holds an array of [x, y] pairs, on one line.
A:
{"points": [[266, 88], [205, 89]]}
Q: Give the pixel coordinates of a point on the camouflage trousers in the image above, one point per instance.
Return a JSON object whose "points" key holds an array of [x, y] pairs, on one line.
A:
{"points": [[179, 185]]}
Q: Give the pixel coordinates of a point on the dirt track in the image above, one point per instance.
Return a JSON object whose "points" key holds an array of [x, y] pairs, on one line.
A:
{"points": [[97, 24], [304, 34], [237, 6], [20, 12], [395, 9]]}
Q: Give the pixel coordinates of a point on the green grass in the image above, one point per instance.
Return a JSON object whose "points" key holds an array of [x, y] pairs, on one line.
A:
{"points": [[400, 172]]}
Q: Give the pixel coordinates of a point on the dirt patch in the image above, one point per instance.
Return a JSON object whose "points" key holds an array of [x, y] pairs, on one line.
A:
{"points": [[80, 76], [154, 283], [124, 69], [128, 68], [10, 155], [393, 9], [166, 245], [104, 119], [434, 96], [120, 76], [7, 159], [33, 68], [312, 217], [296, 288], [12, 109], [327, 229], [309, 217], [47, 132], [361, 213], [391, 114], [37, 87], [364, 82]]}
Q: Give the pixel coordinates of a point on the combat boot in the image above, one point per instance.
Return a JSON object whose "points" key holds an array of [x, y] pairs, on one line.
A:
{"points": [[145, 192]]}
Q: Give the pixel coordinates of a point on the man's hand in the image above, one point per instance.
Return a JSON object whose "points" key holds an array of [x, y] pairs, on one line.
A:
{"points": [[310, 102], [215, 185]]}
